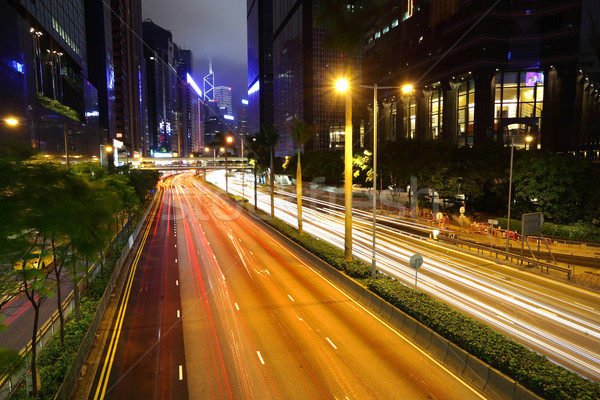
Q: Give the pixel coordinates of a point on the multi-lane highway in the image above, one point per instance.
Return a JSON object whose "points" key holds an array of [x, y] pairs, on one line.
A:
{"points": [[557, 319], [218, 306]]}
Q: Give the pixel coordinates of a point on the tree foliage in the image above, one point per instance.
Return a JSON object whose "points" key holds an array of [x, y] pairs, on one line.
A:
{"points": [[51, 215]]}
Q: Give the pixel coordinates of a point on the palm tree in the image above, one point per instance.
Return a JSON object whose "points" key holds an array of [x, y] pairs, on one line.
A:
{"points": [[301, 133]]}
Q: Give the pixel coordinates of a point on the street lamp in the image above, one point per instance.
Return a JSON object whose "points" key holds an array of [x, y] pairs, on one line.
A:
{"points": [[343, 86], [11, 121], [243, 171], [207, 149], [512, 148]]}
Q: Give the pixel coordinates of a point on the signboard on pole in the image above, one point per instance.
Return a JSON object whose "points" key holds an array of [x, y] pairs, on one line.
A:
{"points": [[415, 262], [531, 224]]}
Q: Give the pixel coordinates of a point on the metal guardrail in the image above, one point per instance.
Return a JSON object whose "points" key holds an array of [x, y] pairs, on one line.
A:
{"points": [[10, 381], [514, 258]]}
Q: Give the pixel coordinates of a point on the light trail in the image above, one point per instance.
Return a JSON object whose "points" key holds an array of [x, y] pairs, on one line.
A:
{"points": [[538, 312]]}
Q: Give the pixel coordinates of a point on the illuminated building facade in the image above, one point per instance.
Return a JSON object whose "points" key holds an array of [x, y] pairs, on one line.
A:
{"points": [[44, 63], [487, 74], [161, 90], [260, 64], [222, 95], [304, 73], [189, 102]]}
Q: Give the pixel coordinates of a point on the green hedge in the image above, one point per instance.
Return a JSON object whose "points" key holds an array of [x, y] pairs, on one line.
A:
{"points": [[55, 359]]}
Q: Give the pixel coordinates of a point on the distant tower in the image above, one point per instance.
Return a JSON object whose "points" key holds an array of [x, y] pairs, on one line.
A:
{"points": [[209, 83]]}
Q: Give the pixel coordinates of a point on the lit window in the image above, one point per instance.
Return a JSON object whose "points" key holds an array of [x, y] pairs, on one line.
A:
{"points": [[386, 30], [377, 35], [395, 24]]}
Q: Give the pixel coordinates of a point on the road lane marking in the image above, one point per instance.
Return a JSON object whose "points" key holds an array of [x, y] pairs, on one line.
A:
{"points": [[331, 343], [267, 271], [178, 314], [236, 306], [290, 297], [260, 357], [181, 372], [584, 306]]}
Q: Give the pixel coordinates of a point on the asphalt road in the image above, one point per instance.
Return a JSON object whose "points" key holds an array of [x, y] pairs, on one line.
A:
{"points": [[19, 315], [218, 307], [143, 355], [552, 317]]}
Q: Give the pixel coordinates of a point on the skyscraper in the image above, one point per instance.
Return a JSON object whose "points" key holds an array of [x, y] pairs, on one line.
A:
{"points": [[162, 89], [304, 71], [260, 63], [188, 104], [222, 95], [101, 65], [44, 68], [129, 75]]}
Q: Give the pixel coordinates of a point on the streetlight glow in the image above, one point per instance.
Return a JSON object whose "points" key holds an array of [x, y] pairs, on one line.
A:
{"points": [[528, 138], [109, 149], [229, 139], [406, 89], [342, 85], [11, 121], [206, 149]]}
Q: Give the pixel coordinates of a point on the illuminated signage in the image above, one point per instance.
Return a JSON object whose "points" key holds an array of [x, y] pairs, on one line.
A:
{"points": [[533, 78], [229, 117], [92, 114], [244, 101], [17, 66], [254, 88], [191, 82]]}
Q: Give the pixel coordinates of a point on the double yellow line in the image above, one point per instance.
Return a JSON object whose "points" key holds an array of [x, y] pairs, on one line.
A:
{"points": [[112, 349]]}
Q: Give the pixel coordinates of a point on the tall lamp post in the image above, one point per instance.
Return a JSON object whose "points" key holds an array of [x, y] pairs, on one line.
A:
{"points": [[242, 143], [343, 86], [228, 140], [512, 149]]}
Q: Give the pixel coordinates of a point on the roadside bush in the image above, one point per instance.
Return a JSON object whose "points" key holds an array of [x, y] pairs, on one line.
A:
{"points": [[56, 358]]}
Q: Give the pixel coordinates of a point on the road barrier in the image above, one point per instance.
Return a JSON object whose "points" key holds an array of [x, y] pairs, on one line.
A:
{"points": [[514, 258]]}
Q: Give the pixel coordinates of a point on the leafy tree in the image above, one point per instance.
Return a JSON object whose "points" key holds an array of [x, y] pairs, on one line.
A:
{"points": [[552, 184], [325, 166], [142, 181], [23, 245], [301, 132]]}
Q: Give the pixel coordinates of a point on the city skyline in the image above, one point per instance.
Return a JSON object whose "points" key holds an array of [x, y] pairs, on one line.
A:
{"points": [[193, 28]]}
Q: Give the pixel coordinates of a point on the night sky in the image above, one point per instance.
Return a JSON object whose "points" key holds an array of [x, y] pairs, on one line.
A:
{"points": [[209, 28]]}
